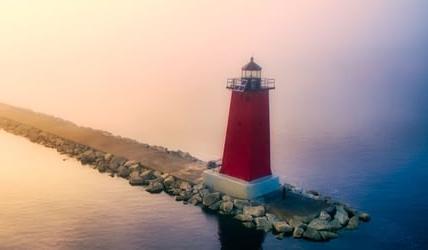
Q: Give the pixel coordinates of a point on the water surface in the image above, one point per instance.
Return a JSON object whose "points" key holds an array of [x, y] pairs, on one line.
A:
{"points": [[49, 201]]}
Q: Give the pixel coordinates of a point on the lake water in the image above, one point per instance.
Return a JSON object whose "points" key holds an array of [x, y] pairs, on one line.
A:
{"points": [[49, 201]]}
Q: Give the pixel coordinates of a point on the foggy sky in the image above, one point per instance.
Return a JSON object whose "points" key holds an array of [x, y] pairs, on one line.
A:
{"points": [[156, 70]]}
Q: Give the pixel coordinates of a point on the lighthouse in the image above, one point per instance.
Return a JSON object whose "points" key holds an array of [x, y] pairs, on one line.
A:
{"points": [[246, 169]]}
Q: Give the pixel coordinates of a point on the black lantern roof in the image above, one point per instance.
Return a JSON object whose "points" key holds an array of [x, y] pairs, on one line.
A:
{"points": [[251, 66]]}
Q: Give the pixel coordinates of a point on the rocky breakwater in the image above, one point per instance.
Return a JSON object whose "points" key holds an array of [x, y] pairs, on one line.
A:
{"points": [[251, 214]]}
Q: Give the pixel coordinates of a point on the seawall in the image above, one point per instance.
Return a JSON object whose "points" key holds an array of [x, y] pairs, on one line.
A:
{"points": [[290, 211]]}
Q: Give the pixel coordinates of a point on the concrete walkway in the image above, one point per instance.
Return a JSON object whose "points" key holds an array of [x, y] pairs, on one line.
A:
{"points": [[184, 168]]}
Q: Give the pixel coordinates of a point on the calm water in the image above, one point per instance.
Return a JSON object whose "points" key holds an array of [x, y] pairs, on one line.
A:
{"points": [[51, 203]]}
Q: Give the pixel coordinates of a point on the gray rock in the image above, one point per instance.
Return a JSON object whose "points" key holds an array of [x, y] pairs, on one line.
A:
{"points": [[216, 205], [226, 207], [196, 199], [364, 217], [243, 217], [169, 181], [227, 198], [324, 215], [299, 230], [147, 175], [326, 235], [240, 204], [314, 235], [248, 224], [256, 211], [154, 187], [271, 217], [116, 161], [135, 179], [282, 227], [341, 215], [262, 223], [319, 224], [123, 171], [211, 198], [184, 185], [353, 223]]}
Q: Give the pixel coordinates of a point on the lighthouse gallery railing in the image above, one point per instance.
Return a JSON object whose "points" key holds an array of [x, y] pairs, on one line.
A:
{"points": [[241, 84]]}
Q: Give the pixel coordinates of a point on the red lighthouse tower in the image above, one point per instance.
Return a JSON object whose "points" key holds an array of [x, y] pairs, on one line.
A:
{"points": [[246, 171]]}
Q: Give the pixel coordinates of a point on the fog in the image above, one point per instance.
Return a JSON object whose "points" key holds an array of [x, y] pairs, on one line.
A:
{"points": [[156, 70]]}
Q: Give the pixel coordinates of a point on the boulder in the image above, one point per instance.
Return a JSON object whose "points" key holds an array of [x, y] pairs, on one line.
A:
{"points": [[211, 198], [243, 217], [262, 223], [248, 224], [116, 161], [364, 217], [169, 181], [184, 185], [154, 187], [240, 204], [319, 224], [226, 207], [227, 198], [135, 179], [353, 223], [216, 205], [299, 230], [324, 215], [123, 171], [196, 199], [147, 175], [314, 235], [341, 215], [256, 211], [282, 227]]}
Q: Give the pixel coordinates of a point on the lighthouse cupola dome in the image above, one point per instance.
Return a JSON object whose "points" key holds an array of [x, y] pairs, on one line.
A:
{"points": [[251, 70]]}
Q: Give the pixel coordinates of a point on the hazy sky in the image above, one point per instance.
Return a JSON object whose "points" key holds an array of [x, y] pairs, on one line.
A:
{"points": [[156, 70]]}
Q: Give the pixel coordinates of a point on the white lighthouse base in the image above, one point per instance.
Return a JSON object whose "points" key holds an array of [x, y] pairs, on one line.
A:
{"points": [[239, 188]]}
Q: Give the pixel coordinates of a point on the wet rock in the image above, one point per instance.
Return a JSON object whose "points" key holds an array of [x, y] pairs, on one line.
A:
{"points": [[262, 223], [169, 181], [364, 217], [353, 223], [299, 230], [314, 235], [226, 207], [184, 185], [227, 198], [116, 161], [147, 175], [216, 205], [248, 224], [282, 227], [211, 198], [196, 199], [331, 210], [341, 215], [123, 172], [135, 179], [326, 235], [319, 224], [243, 217], [154, 187], [256, 211], [325, 216], [240, 204]]}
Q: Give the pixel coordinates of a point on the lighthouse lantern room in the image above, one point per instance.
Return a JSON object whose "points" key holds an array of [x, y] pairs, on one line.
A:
{"points": [[246, 171]]}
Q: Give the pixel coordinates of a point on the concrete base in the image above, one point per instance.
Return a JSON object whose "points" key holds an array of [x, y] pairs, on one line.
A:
{"points": [[238, 188]]}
